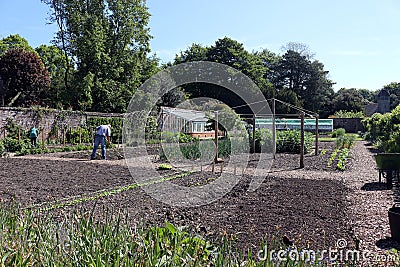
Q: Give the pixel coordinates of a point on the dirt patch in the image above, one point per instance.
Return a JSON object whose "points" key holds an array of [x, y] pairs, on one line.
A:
{"points": [[314, 206]]}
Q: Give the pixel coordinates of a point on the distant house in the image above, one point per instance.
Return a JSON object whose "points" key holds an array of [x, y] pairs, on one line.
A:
{"points": [[191, 122], [382, 106]]}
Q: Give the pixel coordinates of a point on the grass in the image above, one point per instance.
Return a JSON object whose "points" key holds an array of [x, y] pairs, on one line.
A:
{"points": [[333, 139]]}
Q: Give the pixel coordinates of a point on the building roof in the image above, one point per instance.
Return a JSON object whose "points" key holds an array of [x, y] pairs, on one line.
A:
{"points": [[383, 92], [186, 114]]}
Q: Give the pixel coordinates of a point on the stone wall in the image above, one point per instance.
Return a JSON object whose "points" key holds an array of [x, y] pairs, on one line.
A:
{"points": [[351, 125], [46, 119]]}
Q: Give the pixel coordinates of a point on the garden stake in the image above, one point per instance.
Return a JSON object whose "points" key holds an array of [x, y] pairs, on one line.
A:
{"points": [[42, 139], [222, 166], [234, 169], [213, 166], [242, 170]]}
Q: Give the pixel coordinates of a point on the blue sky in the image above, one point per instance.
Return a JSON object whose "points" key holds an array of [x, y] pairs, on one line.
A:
{"points": [[358, 41]]}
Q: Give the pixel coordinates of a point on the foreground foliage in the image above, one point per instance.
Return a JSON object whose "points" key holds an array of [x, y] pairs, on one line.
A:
{"points": [[108, 238]]}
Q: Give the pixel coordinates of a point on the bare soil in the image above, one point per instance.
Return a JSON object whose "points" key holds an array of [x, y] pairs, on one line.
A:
{"points": [[314, 206]]}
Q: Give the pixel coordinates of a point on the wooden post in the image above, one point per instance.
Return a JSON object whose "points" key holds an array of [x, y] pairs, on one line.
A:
{"points": [[80, 135], [19, 135], [273, 130], [254, 134], [216, 137], [4, 133], [42, 131], [302, 141], [316, 135]]}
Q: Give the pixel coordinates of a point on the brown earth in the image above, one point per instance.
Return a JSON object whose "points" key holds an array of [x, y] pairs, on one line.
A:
{"points": [[314, 206]]}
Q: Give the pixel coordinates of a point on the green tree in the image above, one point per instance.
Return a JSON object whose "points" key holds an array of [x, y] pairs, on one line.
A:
{"points": [[109, 42], [54, 61], [394, 91], [229, 52], [24, 76], [12, 42], [306, 78], [348, 100]]}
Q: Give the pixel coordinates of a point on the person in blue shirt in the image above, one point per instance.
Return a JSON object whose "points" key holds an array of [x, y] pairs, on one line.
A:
{"points": [[103, 133], [33, 134]]}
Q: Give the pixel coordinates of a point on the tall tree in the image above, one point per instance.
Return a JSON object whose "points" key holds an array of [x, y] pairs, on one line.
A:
{"points": [[24, 76], [394, 91], [306, 78], [109, 43], [54, 61], [14, 41], [348, 100]]}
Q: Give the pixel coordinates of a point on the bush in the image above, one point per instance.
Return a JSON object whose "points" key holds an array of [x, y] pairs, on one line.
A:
{"points": [[290, 141], [338, 132], [384, 130], [286, 141], [13, 145], [345, 141]]}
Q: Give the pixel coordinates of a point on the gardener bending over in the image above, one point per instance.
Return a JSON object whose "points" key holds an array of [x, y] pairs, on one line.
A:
{"points": [[33, 136], [103, 132]]}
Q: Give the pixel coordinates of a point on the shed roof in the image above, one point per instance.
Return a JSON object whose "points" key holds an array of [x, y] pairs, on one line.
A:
{"points": [[186, 114]]}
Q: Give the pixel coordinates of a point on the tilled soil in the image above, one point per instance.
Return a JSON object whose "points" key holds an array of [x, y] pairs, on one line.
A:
{"points": [[315, 206]]}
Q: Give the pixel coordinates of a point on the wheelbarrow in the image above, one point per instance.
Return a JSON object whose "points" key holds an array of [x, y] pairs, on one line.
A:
{"points": [[388, 166]]}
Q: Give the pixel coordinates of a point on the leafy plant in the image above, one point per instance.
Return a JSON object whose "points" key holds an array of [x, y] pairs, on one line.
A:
{"points": [[341, 165], [333, 157], [164, 166], [338, 132]]}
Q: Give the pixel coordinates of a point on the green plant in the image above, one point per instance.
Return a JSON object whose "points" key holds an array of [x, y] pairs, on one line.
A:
{"points": [[323, 152], [333, 157], [2, 148], [164, 166], [286, 141], [349, 114], [338, 132], [345, 141], [341, 165]]}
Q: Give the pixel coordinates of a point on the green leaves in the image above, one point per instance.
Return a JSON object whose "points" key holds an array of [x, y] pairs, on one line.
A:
{"points": [[109, 42]]}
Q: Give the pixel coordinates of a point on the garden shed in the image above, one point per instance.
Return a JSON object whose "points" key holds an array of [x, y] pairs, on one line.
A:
{"points": [[191, 122]]}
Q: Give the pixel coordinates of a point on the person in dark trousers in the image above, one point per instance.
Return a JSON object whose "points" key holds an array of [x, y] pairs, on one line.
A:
{"points": [[103, 133], [33, 136]]}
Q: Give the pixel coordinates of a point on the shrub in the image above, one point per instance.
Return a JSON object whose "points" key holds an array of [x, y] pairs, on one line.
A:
{"points": [[286, 141], [13, 145], [290, 141], [345, 141], [384, 130], [338, 132]]}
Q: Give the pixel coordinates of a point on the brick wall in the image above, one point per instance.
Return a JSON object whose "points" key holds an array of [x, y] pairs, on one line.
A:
{"points": [[45, 119], [351, 125]]}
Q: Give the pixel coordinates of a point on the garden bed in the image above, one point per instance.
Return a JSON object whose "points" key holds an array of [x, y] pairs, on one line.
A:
{"points": [[314, 206]]}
